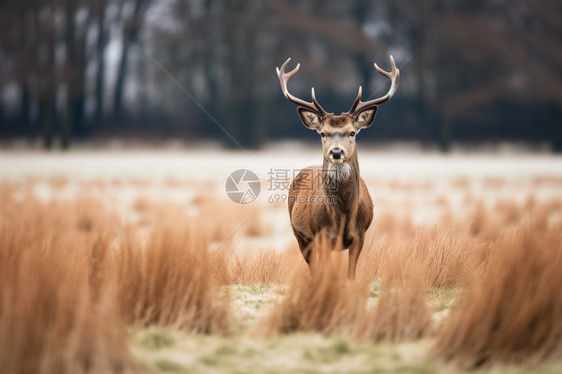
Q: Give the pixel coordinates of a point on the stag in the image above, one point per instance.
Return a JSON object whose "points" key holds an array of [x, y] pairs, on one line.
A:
{"points": [[333, 198]]}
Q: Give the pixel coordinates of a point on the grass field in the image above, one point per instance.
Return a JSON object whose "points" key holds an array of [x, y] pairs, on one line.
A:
{"points": [[139, 262]]}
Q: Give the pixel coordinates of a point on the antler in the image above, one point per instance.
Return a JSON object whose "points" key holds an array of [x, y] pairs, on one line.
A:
{"points": [[394, 76], [284, 78]]}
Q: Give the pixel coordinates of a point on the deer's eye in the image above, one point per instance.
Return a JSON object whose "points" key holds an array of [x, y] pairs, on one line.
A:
{"points": [[352, 133], [322, 134]]}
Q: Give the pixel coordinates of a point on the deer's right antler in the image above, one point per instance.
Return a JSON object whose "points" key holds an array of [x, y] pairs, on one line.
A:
{"points": [[284, 78]]}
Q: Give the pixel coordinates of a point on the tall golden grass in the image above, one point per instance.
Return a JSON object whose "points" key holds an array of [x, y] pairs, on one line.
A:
{"points": [[72, 276], [262, 266], [56, 314], [442, 257], [170, 281], [509, 269], [325, 301], [512, 314], [322, 300], [401, 312], [51, 321]]}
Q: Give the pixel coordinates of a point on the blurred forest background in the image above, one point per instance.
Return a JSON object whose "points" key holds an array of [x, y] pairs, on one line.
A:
{"points": [[472, 71]]}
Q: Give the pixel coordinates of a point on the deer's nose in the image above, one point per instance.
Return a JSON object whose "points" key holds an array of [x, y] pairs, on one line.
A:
{"points": [[336, 153]]}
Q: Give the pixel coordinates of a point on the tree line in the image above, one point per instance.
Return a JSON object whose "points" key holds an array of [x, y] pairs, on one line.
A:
{"points": [[471, 70]]}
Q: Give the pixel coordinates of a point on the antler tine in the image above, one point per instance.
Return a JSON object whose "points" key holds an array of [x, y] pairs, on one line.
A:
{"points": [[393, 75], [291, 73], [317, 104], [357, 100], [390, 73], [284, 78]]}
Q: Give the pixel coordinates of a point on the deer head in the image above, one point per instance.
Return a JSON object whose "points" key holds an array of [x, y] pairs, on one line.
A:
{"points": [[338, 131]]}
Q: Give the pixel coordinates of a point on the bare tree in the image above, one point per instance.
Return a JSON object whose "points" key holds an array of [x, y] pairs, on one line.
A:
{"points": [[100, 9], [131, 27]]}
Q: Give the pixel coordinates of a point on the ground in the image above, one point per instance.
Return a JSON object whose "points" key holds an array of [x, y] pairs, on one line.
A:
{"points": [[170, 351]]}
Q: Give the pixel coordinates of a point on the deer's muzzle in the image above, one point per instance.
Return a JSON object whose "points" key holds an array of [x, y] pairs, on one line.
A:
{"points": [[336, 156]]}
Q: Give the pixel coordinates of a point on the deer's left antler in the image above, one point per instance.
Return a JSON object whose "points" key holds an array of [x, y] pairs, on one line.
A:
{"points": [[393, 75]]}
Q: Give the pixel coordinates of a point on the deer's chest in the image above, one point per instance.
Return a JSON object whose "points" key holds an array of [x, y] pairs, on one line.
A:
{"points": [[335, 221]]}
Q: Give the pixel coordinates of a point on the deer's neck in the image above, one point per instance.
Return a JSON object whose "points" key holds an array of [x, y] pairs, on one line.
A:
{"points": [[342, 182]]}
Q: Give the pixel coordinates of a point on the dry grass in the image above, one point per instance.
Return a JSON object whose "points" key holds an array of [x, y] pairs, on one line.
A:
{"points": [[505, 258], [513, 313], [51, 321], [73, 275], [443, 256], [263, 266], [219, 218], [401, 312], [57, 314], [326, 301], [169, 281], [320, 301], [256, 227]]}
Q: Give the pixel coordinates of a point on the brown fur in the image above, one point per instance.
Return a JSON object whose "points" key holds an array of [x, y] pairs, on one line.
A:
{"points": [[319, 202]]}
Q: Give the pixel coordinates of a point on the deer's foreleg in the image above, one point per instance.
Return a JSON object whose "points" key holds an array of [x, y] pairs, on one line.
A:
{"points": [[354, 252], [304, 246]]}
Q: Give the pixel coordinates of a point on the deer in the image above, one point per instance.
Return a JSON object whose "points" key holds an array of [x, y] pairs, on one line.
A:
{"points": [[332, 198]]}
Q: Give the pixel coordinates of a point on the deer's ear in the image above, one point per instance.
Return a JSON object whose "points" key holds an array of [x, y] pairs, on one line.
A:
{"points": [[365, 117], [309, 118]]}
